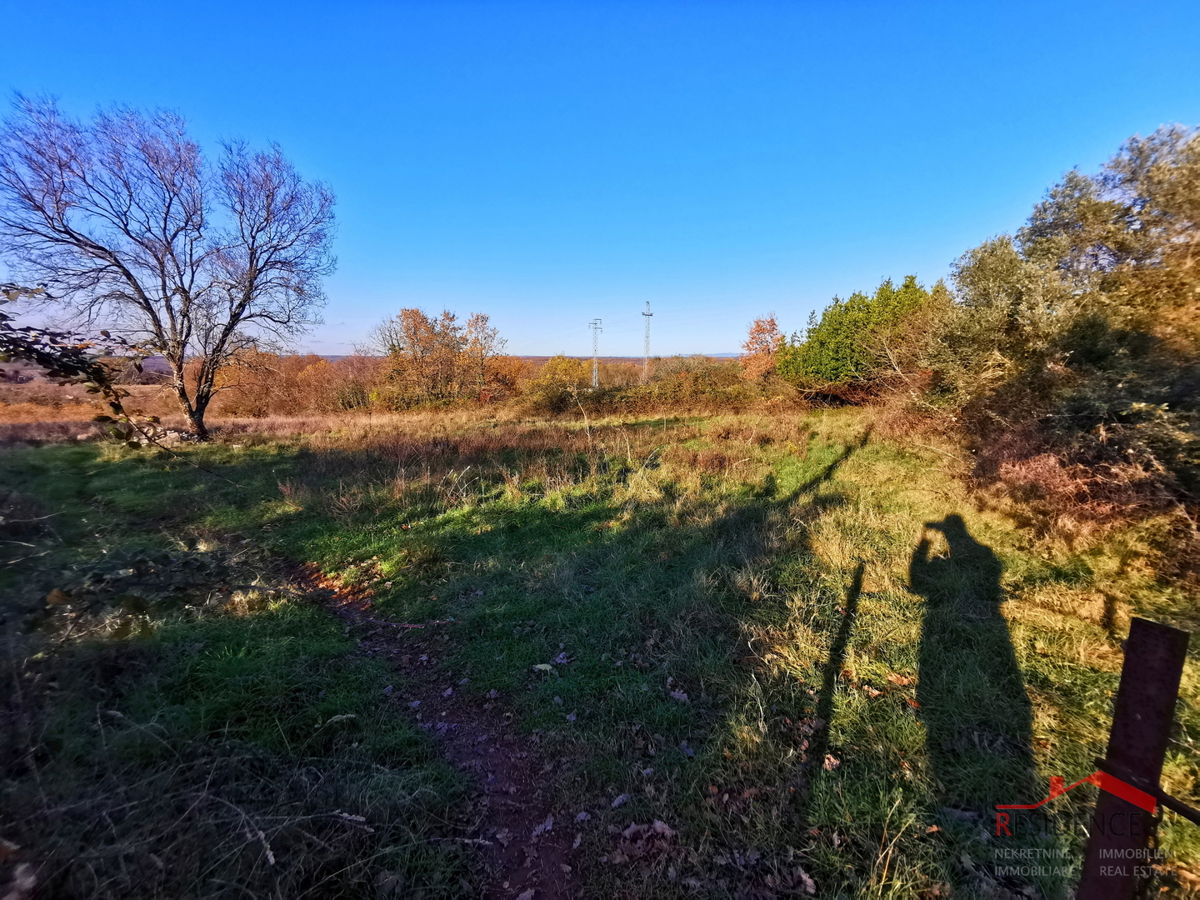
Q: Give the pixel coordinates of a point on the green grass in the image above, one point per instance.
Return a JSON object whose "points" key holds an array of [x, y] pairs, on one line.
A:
{"points": [[856, 700]]}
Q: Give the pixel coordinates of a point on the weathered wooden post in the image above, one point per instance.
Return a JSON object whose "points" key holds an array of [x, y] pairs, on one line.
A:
{"points": [[1117, 853]]}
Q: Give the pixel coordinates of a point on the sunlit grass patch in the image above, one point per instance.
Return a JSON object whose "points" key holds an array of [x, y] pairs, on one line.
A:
{"points": [[817, 651]]}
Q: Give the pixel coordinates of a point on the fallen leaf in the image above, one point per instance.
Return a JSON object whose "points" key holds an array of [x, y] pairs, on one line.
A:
{"points": [[620, 801], [663, 829], [810, 886], [831, 762], [543, 667], [545, 827], [680, 696], [7, 849], [901, 680], [23, 882]]}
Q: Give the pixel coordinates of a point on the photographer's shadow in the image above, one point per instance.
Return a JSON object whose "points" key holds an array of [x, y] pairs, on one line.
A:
{"points": [[977, 717]]}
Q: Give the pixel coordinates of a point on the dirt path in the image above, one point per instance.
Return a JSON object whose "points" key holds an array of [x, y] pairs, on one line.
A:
{"points": [[526, 846]]}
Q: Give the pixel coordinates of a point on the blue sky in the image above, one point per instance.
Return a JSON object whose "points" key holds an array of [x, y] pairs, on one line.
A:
{"points": [[551, 163]]}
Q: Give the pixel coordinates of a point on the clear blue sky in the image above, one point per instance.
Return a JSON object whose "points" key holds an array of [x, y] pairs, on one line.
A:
{"points": [[550, 163]]}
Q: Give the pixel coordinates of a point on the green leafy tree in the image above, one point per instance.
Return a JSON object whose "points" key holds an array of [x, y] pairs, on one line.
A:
{"points": [[857, 340]]}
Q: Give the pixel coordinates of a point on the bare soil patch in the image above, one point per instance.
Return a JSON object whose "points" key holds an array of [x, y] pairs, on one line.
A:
{"points": [[526, 844]]}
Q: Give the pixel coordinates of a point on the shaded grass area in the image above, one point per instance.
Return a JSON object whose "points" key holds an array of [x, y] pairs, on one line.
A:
{"points": [[742, 623], [224, 758], [163, 737]]}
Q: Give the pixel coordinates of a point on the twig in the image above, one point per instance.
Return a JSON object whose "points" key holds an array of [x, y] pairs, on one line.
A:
{"points": [[936, 450], [406, 624]]}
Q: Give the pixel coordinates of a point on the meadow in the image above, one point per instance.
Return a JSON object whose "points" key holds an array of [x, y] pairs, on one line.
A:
{"points": [[462, 653]]}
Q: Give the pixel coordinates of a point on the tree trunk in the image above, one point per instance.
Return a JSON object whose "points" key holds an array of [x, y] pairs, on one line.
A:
{"points": [[200, 405], [196, 424], [193, 408]]}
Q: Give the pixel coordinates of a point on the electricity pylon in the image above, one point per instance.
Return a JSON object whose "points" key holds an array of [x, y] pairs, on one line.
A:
{"points": [[596, 329], [646, 347]]}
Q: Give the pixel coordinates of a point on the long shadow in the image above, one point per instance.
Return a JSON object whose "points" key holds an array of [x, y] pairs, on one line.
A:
{"points": [[585, 611], [833, 667], [972, 698]]}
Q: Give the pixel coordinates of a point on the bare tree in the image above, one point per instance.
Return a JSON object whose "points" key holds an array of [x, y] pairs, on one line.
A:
{"points": [[124, 220]]}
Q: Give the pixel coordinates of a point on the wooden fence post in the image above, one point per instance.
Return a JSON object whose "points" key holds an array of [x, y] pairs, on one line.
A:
{"points": [[1117, 853]]}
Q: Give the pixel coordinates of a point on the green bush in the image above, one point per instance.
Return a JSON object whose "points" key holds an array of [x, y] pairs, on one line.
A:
{"points": [[857, 340], [1080, 333]]}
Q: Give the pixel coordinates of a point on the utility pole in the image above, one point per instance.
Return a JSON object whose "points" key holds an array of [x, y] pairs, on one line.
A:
{"points": [[596, 329], [646, 348]]}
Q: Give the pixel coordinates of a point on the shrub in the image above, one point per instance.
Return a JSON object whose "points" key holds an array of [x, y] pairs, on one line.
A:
{"points": [[1077, 340], [859, 340]]}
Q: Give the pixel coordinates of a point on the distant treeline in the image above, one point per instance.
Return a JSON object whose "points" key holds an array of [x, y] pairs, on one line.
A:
{"points": [[259, 384]]}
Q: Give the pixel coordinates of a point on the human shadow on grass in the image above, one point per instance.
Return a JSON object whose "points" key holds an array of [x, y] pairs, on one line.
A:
{"points": [[972, 698], [978, 718]]}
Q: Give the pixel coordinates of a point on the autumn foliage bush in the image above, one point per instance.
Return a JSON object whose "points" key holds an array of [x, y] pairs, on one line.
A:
{"points": [[1065, 357]]}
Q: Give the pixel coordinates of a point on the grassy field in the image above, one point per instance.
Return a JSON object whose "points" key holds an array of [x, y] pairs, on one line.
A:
{"points": [[799, 652]]}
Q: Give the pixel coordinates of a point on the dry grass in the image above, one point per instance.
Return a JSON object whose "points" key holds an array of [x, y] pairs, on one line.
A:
{"points": [[764, 565]]}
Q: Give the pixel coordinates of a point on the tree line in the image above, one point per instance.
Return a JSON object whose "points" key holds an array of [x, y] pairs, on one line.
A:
{"points": [[1079, 334], [1079, 331]]}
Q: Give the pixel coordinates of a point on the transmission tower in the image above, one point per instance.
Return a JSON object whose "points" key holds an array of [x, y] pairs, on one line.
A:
{"points": [[596, 329], [646, 347]]}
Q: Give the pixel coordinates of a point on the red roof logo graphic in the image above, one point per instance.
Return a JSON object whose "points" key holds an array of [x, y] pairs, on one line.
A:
{"points": [[1103, 780]]}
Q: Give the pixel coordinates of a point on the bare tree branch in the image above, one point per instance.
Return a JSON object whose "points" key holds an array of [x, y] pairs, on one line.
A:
{"points": [[124, 220]]}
